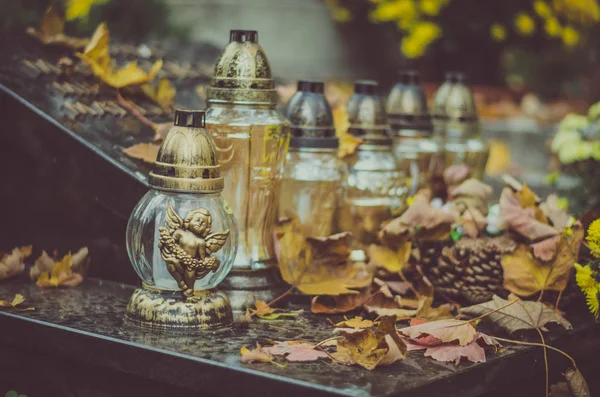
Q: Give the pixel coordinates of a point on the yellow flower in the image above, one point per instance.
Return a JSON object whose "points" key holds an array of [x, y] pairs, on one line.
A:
{"points": [[552, 27], [589, 286], [593, 238], [525, 24], [391, 10], [431, 7], [542, 9], [80, 9], [338, 13], [498, 32], [426, 32], [411, 48], [569, 36]]}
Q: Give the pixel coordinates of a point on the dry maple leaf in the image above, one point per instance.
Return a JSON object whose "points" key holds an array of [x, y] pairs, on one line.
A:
{"points": [[355, 322], [557, 215], [17, 300], [445, 330], [392, 260], [318, 266], [13, 264], [525, 275], [522, 220], [296, 351], [339, 304], [256, 354], [45, 263], [521, 315], [143, 151], [51, 31], [264, 311], [96, 55], [163, 94], [448, 352], [419, 221], [576, 383], [370, 349], [425, 310]]}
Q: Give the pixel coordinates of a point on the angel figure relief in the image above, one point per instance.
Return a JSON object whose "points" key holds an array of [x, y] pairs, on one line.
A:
{"points": [[187, 245]]}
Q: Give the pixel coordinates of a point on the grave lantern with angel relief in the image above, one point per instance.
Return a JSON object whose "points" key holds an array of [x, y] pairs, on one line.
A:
{"points": [[181, 236]]}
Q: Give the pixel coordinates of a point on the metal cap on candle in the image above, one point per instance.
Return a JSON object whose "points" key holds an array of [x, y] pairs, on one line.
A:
{"points": [[366, 114], [454, 110], [311, 118], [187, 159], [242, 73], [407, 107]]}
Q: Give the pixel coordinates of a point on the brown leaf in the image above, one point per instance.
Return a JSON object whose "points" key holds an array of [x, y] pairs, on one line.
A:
{"points": [[426, 311], [521, 315], [370, 349], [525, 275], [143, 151], [444, 330], [243, 320], [13, 264], [522, 220], [419, 221], [473, 222], [472, 188], [455, 174], [296, 351], [51, 31], [266, 312], [392, 260], [546, 249], [330, 251], [576, 383], [526, 197], [338, 304]]}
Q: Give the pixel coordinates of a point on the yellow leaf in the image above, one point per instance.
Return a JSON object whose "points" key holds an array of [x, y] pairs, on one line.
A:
{"points": [[80, 9], [17, 300], [97, 56], [264, 311], [499, 159], [51, 31], [61, 274], [164, 94], [394, 261], [526, 197], [356, 323], [143, 151]]}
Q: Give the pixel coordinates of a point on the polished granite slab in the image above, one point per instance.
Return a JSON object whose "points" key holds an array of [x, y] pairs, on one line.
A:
{"points": [[83, 328]]}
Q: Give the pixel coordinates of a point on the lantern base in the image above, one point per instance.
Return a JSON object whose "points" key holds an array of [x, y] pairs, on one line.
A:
{"points": [[244, 287], [154, 308]]}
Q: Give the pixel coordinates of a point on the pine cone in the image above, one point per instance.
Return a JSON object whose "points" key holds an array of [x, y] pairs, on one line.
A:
{"points": [[469, 270]]}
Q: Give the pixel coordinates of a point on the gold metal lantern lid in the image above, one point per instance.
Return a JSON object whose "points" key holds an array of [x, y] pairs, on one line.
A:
{"points": [[366, 114], [311, 118], [242, 74], [407, 107], [454, 112], [187, 160]]}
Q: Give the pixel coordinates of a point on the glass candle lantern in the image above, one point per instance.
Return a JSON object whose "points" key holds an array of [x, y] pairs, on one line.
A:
{"points": [[251, 139], [314, 177], [181, 236], [419, 154], [376, 185], [456, 122]]}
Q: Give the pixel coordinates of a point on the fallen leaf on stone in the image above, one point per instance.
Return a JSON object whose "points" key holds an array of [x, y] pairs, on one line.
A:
{"points": [[522, 220], [445, 330], [521, 315], [576, 383], [370, 349], [264, 311], [419, 221], [163, 94], [257, 354], [392, 260], [17, 300], [143, 151], [96, 55], [454, 352], [296, 351], [355, 322], [51, 31], [556, 214], [318, 266], [46, 263], [339, 304], [426, 311], [525, 275], [13, 264], [62, 274]]}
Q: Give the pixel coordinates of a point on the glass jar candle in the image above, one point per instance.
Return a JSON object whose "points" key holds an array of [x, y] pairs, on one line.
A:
{"points": [[314, 178]]}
